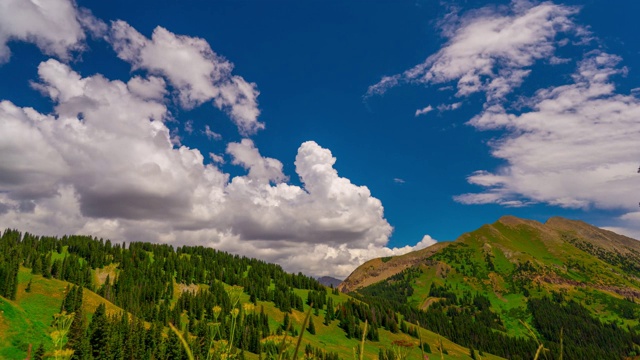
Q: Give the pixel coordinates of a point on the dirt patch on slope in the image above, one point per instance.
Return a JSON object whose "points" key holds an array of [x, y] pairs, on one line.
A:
{"points": [[376, 270]]}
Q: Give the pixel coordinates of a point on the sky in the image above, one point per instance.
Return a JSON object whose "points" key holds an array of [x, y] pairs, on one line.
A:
{"points": [[316, 134]]}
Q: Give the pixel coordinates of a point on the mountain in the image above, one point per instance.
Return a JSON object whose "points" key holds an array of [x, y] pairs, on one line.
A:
{"points": [[558, 241], [497, 292], [114, 299], [379, 269], [508, 279], [329, 281]]}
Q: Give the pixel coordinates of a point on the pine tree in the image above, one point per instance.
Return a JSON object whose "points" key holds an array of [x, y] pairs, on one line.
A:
{"points": [[285, 322], [37, 266], [311, 328], [78, 340], [99, 334]]}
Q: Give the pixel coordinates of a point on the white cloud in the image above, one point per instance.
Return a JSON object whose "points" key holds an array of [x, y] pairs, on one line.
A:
{"points": [[260, 169], [424, 110], [398, 181], [381, 87], [152, 88], [575, 148], [218, 159], [94, 26], [51, 25], [188, 126], [573, 145], [196, 72], [448, 107], [425, 242], [554, 60], [103, 163], [490, 50], [211, 135]]}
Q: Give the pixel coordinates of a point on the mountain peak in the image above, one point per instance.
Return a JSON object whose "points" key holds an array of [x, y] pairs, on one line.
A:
{"points": [[553, 243], [511, 220]]}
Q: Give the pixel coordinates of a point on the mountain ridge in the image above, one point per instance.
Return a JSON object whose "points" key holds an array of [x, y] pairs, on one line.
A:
{"points": [[555, 232], [514, 279]]}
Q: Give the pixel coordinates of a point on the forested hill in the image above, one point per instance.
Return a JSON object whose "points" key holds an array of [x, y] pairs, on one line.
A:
{"points": [[117, 301], [573, 285]]}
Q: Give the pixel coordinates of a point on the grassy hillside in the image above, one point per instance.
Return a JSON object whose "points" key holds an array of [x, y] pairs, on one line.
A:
{"points": [[27, 319], [499, 289], [510, 264]]}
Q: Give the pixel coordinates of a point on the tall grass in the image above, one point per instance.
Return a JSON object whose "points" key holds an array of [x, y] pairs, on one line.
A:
{"points": [[62, 323], [304, 326], [541, 347], [226, 352]]}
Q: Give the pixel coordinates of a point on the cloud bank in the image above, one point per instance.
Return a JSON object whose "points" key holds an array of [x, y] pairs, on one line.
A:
{"points": [[105, 163]]}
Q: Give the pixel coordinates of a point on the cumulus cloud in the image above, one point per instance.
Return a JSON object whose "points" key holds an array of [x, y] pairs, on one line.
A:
{"points": [[103, 163], [260, 169], [51, 25], [111, 142], [152, 88], [196, 72], [490, 50]]}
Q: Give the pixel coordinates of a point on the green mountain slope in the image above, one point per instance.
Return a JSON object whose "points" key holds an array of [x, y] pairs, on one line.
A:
{"points": [[516, 273], [156, 285]]}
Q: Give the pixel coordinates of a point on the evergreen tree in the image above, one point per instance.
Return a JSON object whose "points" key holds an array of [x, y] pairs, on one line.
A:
{"points": [[285, 322], [37, 266], [311, 328], [99, 334], [78, 339]]}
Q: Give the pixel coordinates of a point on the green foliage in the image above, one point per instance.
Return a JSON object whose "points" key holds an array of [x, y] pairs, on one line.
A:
{"points": [[629, 262], [217, 303], [311, 328], [584, 335]]}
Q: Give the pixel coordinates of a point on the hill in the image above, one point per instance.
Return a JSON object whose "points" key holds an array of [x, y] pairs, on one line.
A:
{"points": [[490, 287], [120, 300], [329, 281]]}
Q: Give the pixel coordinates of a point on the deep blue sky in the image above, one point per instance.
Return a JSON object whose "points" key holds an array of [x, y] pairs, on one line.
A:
{"points": [[313, 62]]}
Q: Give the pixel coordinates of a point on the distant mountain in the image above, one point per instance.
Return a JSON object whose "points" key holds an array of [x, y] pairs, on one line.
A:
{"points": [[563, 276], [329, 281]]}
